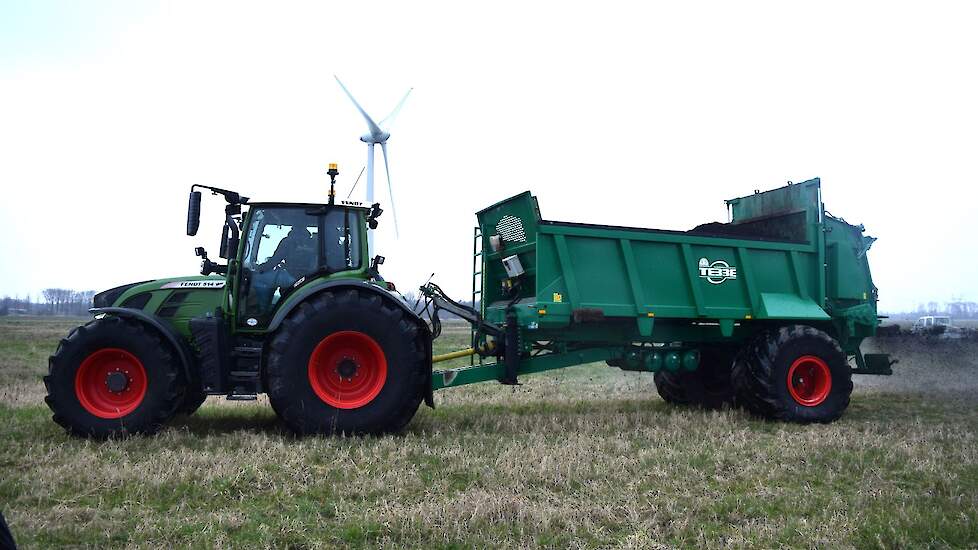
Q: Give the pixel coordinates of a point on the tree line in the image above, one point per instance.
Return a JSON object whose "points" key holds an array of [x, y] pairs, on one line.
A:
{"points": [[63, 301], [52, 301]]}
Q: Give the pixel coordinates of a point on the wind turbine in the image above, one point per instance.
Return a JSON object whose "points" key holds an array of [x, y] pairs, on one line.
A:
{"points": [[377, 134]]}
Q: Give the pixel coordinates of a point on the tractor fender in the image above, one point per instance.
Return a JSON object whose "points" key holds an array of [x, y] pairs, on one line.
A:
{"points": [[168, 333], [303, 293]]}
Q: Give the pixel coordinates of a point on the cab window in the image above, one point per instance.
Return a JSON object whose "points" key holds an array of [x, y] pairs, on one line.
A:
{"points": [[285, 244]]}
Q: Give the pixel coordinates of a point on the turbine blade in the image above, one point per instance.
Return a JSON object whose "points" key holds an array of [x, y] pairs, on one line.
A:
{"points": [[390, 190], [374, 128], [389, 119]]}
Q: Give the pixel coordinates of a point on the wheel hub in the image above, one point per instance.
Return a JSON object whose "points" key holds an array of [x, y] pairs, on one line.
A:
{"points": [[809, 380], [117, 381], [347, 368], [111, 383]]}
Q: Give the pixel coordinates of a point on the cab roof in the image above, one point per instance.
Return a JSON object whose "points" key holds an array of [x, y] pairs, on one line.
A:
{"points": [[352, 205]]}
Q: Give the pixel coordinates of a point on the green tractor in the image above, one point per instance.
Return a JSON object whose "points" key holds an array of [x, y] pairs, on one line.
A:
{"points": [[298, 311]]}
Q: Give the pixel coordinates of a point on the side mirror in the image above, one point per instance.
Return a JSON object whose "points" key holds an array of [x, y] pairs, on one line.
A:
{"points": [[225, 237], [201, 252], [193, 213]]}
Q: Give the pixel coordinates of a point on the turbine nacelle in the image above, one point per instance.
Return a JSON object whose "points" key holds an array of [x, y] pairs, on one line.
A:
{"points": [[380, 137]]}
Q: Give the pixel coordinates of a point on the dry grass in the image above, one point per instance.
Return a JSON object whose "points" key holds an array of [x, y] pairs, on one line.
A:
{"points": [[584, 457]]}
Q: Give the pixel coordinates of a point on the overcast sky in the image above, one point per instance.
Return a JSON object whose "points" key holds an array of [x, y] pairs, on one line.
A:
{"points": [[619, 113]]}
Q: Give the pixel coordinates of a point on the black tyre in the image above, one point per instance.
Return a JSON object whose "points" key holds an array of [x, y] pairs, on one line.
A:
{"points": [[112, 377], [193, 398], [6, 538], [709, 386], [796, 373], [671, 387], [347, 362]]}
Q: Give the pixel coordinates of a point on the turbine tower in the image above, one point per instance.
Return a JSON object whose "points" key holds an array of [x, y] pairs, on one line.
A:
{"points": [[377, 134]]}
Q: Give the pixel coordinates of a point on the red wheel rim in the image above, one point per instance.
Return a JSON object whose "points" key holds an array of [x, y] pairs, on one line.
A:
{"points": [[809, 380], [110, 383], [347, 369]]}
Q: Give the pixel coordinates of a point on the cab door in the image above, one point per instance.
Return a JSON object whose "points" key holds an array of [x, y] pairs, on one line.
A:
{"points": [[287, 245]]}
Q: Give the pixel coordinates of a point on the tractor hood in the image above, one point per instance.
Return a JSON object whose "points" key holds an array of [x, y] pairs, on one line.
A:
{"points": [[119, 295]]}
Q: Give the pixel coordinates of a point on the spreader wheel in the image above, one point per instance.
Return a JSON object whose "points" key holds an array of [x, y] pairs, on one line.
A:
{"points": [[795, 373], [809, 380], [347, 362], [113, 377], [708, 386]]}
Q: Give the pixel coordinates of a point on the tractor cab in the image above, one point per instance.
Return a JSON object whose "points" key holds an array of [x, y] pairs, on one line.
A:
{"points": [[274, 248], [286, 244]]}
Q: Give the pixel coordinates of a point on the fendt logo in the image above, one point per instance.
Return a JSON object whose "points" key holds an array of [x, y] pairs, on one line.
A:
{"points": [[717, 271], [195, 284]]}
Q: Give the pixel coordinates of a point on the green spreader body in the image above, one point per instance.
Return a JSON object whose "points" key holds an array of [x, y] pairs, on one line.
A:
{"points": [[649, 299]]}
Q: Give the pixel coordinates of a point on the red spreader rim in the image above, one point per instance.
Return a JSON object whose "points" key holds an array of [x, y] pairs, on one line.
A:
{"points": [[809, 380], [110, 383], [347, 369]]}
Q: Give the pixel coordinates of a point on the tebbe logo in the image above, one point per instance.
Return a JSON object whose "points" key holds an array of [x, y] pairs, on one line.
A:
{"points": [[717, 271]]}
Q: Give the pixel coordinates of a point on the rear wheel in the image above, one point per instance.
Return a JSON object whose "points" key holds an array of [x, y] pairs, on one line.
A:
{"points": [[708, 386], [796, 373], [347, 362], [112, 377]]}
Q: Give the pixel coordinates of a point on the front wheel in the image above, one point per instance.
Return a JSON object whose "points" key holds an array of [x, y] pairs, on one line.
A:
{"points": [[347, 362], [795, 373], [113, 377], [193, 398]]}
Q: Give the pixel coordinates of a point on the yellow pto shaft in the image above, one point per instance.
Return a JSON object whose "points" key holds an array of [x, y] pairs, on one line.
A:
{"points": [[452, 355]]}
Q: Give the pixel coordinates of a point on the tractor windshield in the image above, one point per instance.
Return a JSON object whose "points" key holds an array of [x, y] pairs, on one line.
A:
{"points": [[284, 244]]}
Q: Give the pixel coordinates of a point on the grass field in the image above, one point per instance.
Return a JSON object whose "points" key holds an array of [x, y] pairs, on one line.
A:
{"points": [[584, 457]]}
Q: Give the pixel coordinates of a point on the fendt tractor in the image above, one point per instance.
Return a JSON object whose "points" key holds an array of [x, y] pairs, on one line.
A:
{"points": [[766, 311]]}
